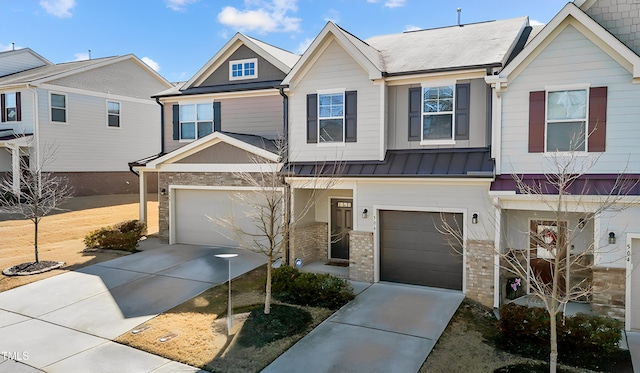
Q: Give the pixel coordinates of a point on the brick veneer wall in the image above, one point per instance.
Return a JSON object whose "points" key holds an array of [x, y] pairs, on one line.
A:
{"points": [[361, 256], [187, 178], [609, 291], [480, 271], [309, 242]]}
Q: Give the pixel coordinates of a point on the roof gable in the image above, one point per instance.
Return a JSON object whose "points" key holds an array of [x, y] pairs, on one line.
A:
{"points": [[366, 56], [14, 61], [570, 15], [277, 57]]}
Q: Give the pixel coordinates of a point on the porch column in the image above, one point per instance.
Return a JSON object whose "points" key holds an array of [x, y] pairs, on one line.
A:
{"points": [[498, 250], [143, 196], [15, 168]]}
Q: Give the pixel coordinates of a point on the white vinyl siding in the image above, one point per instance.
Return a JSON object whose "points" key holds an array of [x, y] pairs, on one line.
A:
{"points": [[85, 143], [25, 126], [335, 68], [568, 60]]}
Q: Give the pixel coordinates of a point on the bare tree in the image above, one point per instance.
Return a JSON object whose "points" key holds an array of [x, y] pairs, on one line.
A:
{"points": [[268, 198], [39, 194], [557, 274]]}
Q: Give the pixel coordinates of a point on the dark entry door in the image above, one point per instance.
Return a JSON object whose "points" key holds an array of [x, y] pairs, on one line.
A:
{"points": [[341, 225]]}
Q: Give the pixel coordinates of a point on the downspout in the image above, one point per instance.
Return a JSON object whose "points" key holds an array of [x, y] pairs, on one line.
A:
{"points": [[287, 187], [131, 164]]}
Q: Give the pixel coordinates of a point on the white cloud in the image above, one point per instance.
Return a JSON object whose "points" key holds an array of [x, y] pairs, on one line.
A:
{"points": [[304, 45], [394, 3], [152, 64], [179, 5], [58, 8], [262, 16], [82, 56], [332, 15], [534, 22], [372, 1], [412, 28]]}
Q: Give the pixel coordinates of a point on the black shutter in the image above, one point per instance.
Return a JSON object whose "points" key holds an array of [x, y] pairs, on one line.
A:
{"points": [[217, 118], [2, 107], [176, 122], [463, 100], [312, 119], [351, 116], [415, 114], [18, 107]]}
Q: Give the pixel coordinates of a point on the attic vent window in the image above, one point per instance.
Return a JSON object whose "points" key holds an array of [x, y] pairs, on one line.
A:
{"points": [[243, 69]]}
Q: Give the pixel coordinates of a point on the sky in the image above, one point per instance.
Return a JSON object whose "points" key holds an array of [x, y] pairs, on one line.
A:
{"points": [[177, 37]]}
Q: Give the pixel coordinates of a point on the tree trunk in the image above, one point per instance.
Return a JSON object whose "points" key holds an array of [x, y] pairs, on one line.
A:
{"points": [[553, 356], [35, 240], [267, 299]]}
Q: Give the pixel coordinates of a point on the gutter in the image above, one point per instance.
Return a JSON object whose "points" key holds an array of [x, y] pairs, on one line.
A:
{"points": [[442, 69]]}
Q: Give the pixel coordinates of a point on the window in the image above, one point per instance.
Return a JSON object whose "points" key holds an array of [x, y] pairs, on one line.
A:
{"points": [[243, 69], [196, 121], [10, 107], [58, 108], [437, 113], [113, 114], [331, 117], [566, 120]]}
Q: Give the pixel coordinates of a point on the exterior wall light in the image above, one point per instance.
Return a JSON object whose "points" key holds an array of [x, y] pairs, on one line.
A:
{"points": [[163, 192], [612, 238], [581, 223], [364, 213], [474, 218]]}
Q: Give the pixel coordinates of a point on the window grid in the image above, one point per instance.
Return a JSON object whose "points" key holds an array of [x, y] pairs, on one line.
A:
{"points": [[566, 120], [196, 121], [58, 108], [437, 113], [331, 117], [113, 114]]}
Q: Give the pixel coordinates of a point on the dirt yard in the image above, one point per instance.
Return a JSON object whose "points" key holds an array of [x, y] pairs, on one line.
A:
{"points": [[60, 235]]}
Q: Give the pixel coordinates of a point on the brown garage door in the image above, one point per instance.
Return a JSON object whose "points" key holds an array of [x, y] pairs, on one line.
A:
{"points": [[412, 250]]}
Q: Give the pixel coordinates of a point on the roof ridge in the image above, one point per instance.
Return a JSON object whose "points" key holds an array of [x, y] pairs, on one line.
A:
{"points": [[363, 42], [450, 26]]}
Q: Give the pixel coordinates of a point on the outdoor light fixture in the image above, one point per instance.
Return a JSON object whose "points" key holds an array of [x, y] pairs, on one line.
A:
{"points": [[474, 218], [612, 238], [581, 223], [163, 192], [229, 311], [364, 213]]}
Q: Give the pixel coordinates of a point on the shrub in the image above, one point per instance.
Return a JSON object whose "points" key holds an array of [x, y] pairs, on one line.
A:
{"points": [[583, 340], [310, 289], [122, 236], [283, 321]]}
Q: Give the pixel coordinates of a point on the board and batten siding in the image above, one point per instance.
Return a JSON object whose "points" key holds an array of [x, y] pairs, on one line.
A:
{"points": [[568, 60], [428, 196], [25, 125], [398, 117], [126, 78], [336, 69], [86, 144], [262, 116], [11, 63]]}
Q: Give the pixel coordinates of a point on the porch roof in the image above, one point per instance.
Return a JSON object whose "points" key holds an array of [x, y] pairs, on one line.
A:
{"points": [[588, 184], [467, 163]]}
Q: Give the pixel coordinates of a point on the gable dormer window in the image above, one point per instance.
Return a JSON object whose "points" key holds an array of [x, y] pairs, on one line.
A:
{"points": [[243, 69]]}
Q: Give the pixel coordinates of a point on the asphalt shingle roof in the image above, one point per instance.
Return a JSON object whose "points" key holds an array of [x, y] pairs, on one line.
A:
{"points": [[42, 72]]}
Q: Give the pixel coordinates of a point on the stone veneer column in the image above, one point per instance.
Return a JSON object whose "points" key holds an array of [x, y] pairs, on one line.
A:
{"points": [[361, 256], [609, 291], [309, 242], [480, 271]]}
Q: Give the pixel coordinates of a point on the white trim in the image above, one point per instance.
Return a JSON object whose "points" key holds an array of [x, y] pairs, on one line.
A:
{"points": [[443, 141], [328, 92], [302, 181], [353, 219], [242, 63], [195, 119], [119, 113], [628, 284], [220, 167], [383, 120], [107, 95], [219, 96], [172, 203], [66, 108], [437, 142], [497, 248], [436, 77], [557, 88], [376, 235]]}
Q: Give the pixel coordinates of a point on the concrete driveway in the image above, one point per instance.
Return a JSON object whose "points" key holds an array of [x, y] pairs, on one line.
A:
{"points": [[387, 328], [66, 323]]}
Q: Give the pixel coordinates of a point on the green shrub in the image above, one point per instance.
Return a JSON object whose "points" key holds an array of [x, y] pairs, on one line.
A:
{"points": [[310, 289], [283, 321], [122, 236], [583, 340]]}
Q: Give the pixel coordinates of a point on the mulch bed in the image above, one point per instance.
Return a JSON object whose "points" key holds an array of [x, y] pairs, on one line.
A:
{"points": [[31, 268]]}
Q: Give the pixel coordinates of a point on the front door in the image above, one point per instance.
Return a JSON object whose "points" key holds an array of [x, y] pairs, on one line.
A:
{"points": [[341, 225]]}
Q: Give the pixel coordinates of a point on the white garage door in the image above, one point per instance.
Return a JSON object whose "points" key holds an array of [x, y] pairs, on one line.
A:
{"points": [[192, 225]]}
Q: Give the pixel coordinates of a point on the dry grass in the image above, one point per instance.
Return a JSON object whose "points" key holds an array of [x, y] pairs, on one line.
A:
{"points": [[60, 235], [201, 335]]}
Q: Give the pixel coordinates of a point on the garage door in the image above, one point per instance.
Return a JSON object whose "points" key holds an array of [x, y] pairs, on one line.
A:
{"points": [[412, 250], [191, 223]]}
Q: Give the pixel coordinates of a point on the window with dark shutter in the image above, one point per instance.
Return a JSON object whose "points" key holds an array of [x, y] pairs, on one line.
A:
{"points": [[463, 100], [217, 117], [176, 122], [312, 118], [415, 113], [10, 106], [351, 116], [18, 106], [3, 116]]}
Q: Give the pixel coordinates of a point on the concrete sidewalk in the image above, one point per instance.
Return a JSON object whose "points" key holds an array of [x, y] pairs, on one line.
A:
{"points": [[387, 328], [66, 323]]}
